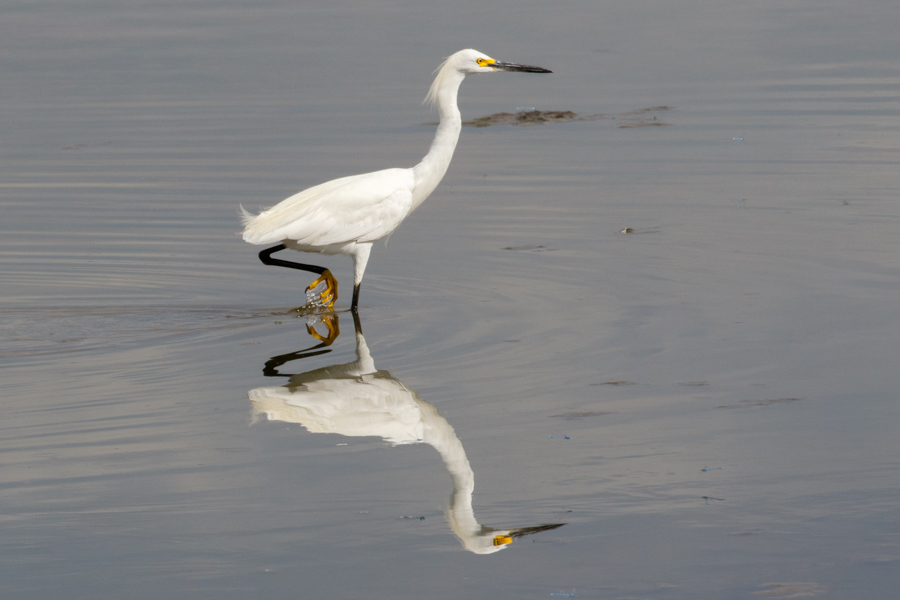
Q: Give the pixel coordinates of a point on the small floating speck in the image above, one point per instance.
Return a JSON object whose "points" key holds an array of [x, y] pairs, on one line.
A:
{"points": [[636, 231], [737, 139], [572, 416], [559, 437], [643, 117]]}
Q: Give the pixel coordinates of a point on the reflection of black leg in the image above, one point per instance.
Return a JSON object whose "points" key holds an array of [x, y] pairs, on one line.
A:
{"points": [[270, 369], [356, 322], [266, 257]]}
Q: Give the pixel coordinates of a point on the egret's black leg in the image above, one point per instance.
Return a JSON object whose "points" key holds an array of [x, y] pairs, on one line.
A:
{"points": [[327, 296], [266, 257], [354, 306]]}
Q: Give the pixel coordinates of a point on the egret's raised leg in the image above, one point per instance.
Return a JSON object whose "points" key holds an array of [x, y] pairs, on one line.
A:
{"points": [[327, 296]]}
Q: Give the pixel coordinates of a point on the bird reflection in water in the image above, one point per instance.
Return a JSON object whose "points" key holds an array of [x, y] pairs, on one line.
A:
{"points": [[356, 399]]}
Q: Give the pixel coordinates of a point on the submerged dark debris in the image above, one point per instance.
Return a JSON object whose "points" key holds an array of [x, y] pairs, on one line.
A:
{"points": [[529, 248], [531, 117], [767, 402], [643, 117]]}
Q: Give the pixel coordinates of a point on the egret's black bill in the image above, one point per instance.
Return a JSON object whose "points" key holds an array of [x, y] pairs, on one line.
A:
{"points": [[502, 66]]}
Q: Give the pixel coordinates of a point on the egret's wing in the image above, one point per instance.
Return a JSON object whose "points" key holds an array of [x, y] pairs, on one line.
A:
{"points": [[361, 208]]}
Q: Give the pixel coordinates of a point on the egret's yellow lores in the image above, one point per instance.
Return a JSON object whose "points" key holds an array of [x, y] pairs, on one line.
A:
{"points": [[347, 215]]}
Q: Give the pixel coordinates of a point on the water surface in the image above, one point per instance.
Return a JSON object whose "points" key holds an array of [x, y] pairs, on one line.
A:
{"points": [[708, 402]]}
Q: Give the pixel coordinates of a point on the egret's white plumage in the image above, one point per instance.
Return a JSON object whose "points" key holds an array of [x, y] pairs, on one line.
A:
{"points": [[347, 215]]}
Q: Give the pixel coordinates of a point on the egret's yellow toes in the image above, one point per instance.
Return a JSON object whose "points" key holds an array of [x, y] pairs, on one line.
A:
{"points": [[327, 297]]}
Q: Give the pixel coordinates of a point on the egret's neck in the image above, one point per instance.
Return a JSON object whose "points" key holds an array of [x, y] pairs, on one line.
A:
{"points": [[430, 171]]}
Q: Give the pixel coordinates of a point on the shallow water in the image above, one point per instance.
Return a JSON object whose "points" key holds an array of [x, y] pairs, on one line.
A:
{"points": [[709, 402]]}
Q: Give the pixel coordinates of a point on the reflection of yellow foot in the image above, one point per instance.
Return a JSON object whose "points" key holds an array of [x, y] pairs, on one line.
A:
{"points": [[330, 321], [328, 295]]}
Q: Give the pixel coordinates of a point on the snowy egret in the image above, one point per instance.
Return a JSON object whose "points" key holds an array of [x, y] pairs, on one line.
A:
{"points": [[347, 215]]}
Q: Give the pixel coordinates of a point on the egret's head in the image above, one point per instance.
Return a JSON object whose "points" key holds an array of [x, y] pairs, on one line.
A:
{"points": [[473, 61], [469, 61]]}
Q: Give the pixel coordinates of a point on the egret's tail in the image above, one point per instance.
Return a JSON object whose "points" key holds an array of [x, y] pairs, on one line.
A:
{"points": [[254, 227], [246, 217]]}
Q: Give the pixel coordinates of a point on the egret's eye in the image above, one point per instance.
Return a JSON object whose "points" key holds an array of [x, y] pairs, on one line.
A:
{"points": [[485, 62]]}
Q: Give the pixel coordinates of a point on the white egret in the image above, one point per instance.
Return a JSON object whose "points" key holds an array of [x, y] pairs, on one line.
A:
{"points": [[347, 215]]}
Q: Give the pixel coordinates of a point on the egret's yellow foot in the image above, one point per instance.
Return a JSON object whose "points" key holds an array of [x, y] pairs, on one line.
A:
{"points": [[502, 540], [328, 295], [330, 320]]}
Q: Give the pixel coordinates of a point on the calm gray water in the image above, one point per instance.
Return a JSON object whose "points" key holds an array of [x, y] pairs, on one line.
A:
{"points": [[709, 402]]}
